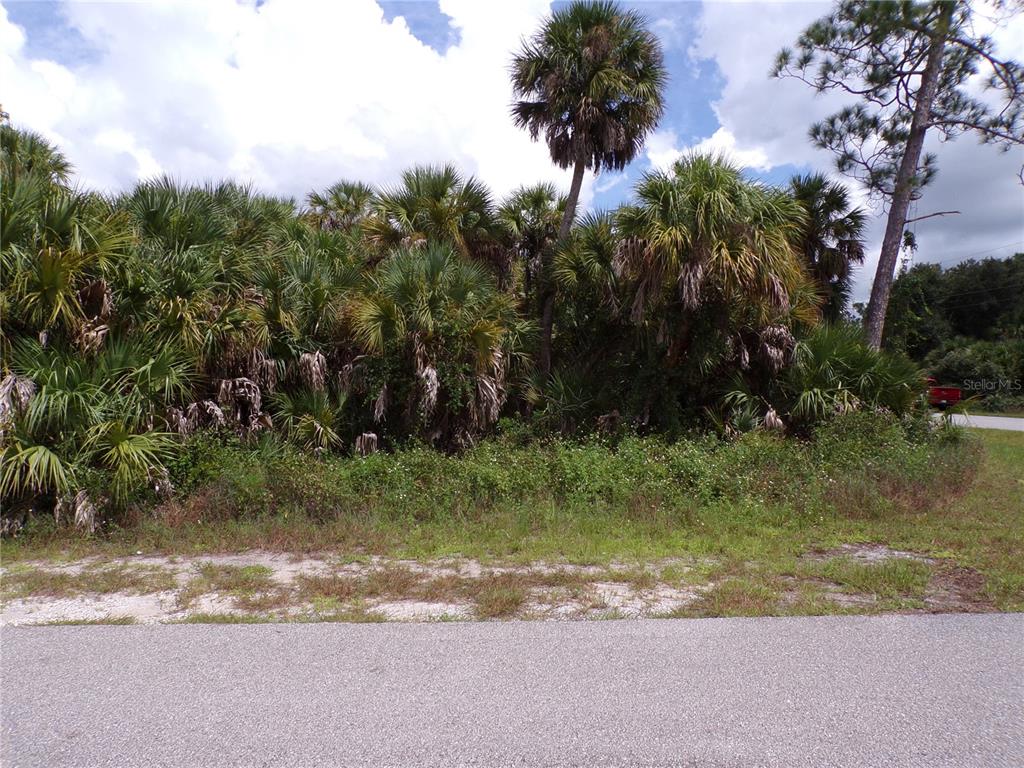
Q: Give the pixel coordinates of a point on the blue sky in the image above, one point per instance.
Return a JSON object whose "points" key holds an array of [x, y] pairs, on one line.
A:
{"points": [[294, 94]]}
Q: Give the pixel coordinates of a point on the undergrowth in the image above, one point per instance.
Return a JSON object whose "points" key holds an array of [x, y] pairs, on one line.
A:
{"points": [[500, 493]]}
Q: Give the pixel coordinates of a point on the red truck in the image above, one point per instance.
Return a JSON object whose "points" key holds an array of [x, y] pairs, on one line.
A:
{"points": [[942, 397]]}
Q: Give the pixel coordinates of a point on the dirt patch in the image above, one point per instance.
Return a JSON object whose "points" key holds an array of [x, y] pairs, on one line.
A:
{"points": [[954, 589], [950, 588]]}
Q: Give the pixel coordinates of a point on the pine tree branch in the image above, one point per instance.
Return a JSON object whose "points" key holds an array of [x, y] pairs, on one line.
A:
{"points": [[930, 215]]}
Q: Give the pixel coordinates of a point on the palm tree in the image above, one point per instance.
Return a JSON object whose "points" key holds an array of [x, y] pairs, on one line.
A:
{"points": [[445, 333], [831, 241], [592, 81], [343, 205], [55, 243], [437, 204], [704, 236], [531, 217], [833, 372], [87, 414], [25, 153]]}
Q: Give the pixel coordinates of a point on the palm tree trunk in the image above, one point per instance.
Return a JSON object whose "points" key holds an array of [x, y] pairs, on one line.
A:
{"points": [[547, 316], [874, 320]]}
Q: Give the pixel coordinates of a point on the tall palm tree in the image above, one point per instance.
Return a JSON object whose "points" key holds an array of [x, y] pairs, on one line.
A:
{"points": [[592, 81], [832, 239]]}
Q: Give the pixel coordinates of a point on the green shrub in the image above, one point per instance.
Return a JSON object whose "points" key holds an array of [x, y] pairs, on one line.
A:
{"points": [[852, 463], [985, 368]]}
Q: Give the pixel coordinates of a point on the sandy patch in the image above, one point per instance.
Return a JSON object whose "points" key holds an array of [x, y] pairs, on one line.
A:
{"points": [[591, 591], [867, 553], [417, 610], [554, 591], [144, 609]]}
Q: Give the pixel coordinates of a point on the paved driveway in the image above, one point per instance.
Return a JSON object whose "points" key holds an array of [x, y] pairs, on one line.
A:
{"points": [[1015, 424], [832, 691]]}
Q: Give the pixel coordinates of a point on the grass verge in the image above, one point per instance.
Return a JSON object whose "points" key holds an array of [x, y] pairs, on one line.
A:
{"points": [[743, 524]]}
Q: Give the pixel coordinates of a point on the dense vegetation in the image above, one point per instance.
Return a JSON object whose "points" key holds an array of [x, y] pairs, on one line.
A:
{"points": [[421, 314], [514, 496], [965, 326], [374, 317]]}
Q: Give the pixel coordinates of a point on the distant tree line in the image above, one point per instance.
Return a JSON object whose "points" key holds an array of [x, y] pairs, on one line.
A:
{"points": [[964, 324]]}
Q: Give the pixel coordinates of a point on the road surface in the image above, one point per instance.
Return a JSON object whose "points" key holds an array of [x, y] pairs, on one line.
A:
{"points": [[1013, 423], [829, 691]]}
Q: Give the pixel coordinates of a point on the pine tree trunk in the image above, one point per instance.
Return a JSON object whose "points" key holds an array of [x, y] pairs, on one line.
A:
{"points": [[874, 320], [547, 317]]}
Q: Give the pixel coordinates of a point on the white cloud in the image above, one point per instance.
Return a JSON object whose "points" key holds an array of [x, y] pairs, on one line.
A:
{"points": [[662, 150], [291, 95], [608, 181]]}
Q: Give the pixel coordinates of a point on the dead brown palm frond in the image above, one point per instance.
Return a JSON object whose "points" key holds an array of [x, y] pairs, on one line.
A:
{"points": [[773, 422], [777, 346], [430, 387], [486, 403], [204, 414], [380, 405], [351, 376], [90, 335], [79, 508], [176, 422], [313, 370], [242, 399], [366, 444], [96, 300], [262, 370], [691, 284], [421, 359], [15, 393], [739, 352]]}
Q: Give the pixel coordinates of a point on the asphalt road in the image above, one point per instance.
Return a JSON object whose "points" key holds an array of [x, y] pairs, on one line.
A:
{"points": [[830, 691], [1013, 423]]}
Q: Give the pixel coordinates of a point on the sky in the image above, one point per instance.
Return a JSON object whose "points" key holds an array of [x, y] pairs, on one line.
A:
{"points": [[293, 95]]}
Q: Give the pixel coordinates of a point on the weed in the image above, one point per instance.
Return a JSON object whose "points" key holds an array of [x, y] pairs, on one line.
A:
{"points": [[226, 618], [251, 585], [639, 579], [895, 577], [36, 581], [390, 581], [734, 597], [318, 586], [355, 614], [499, 602]]}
